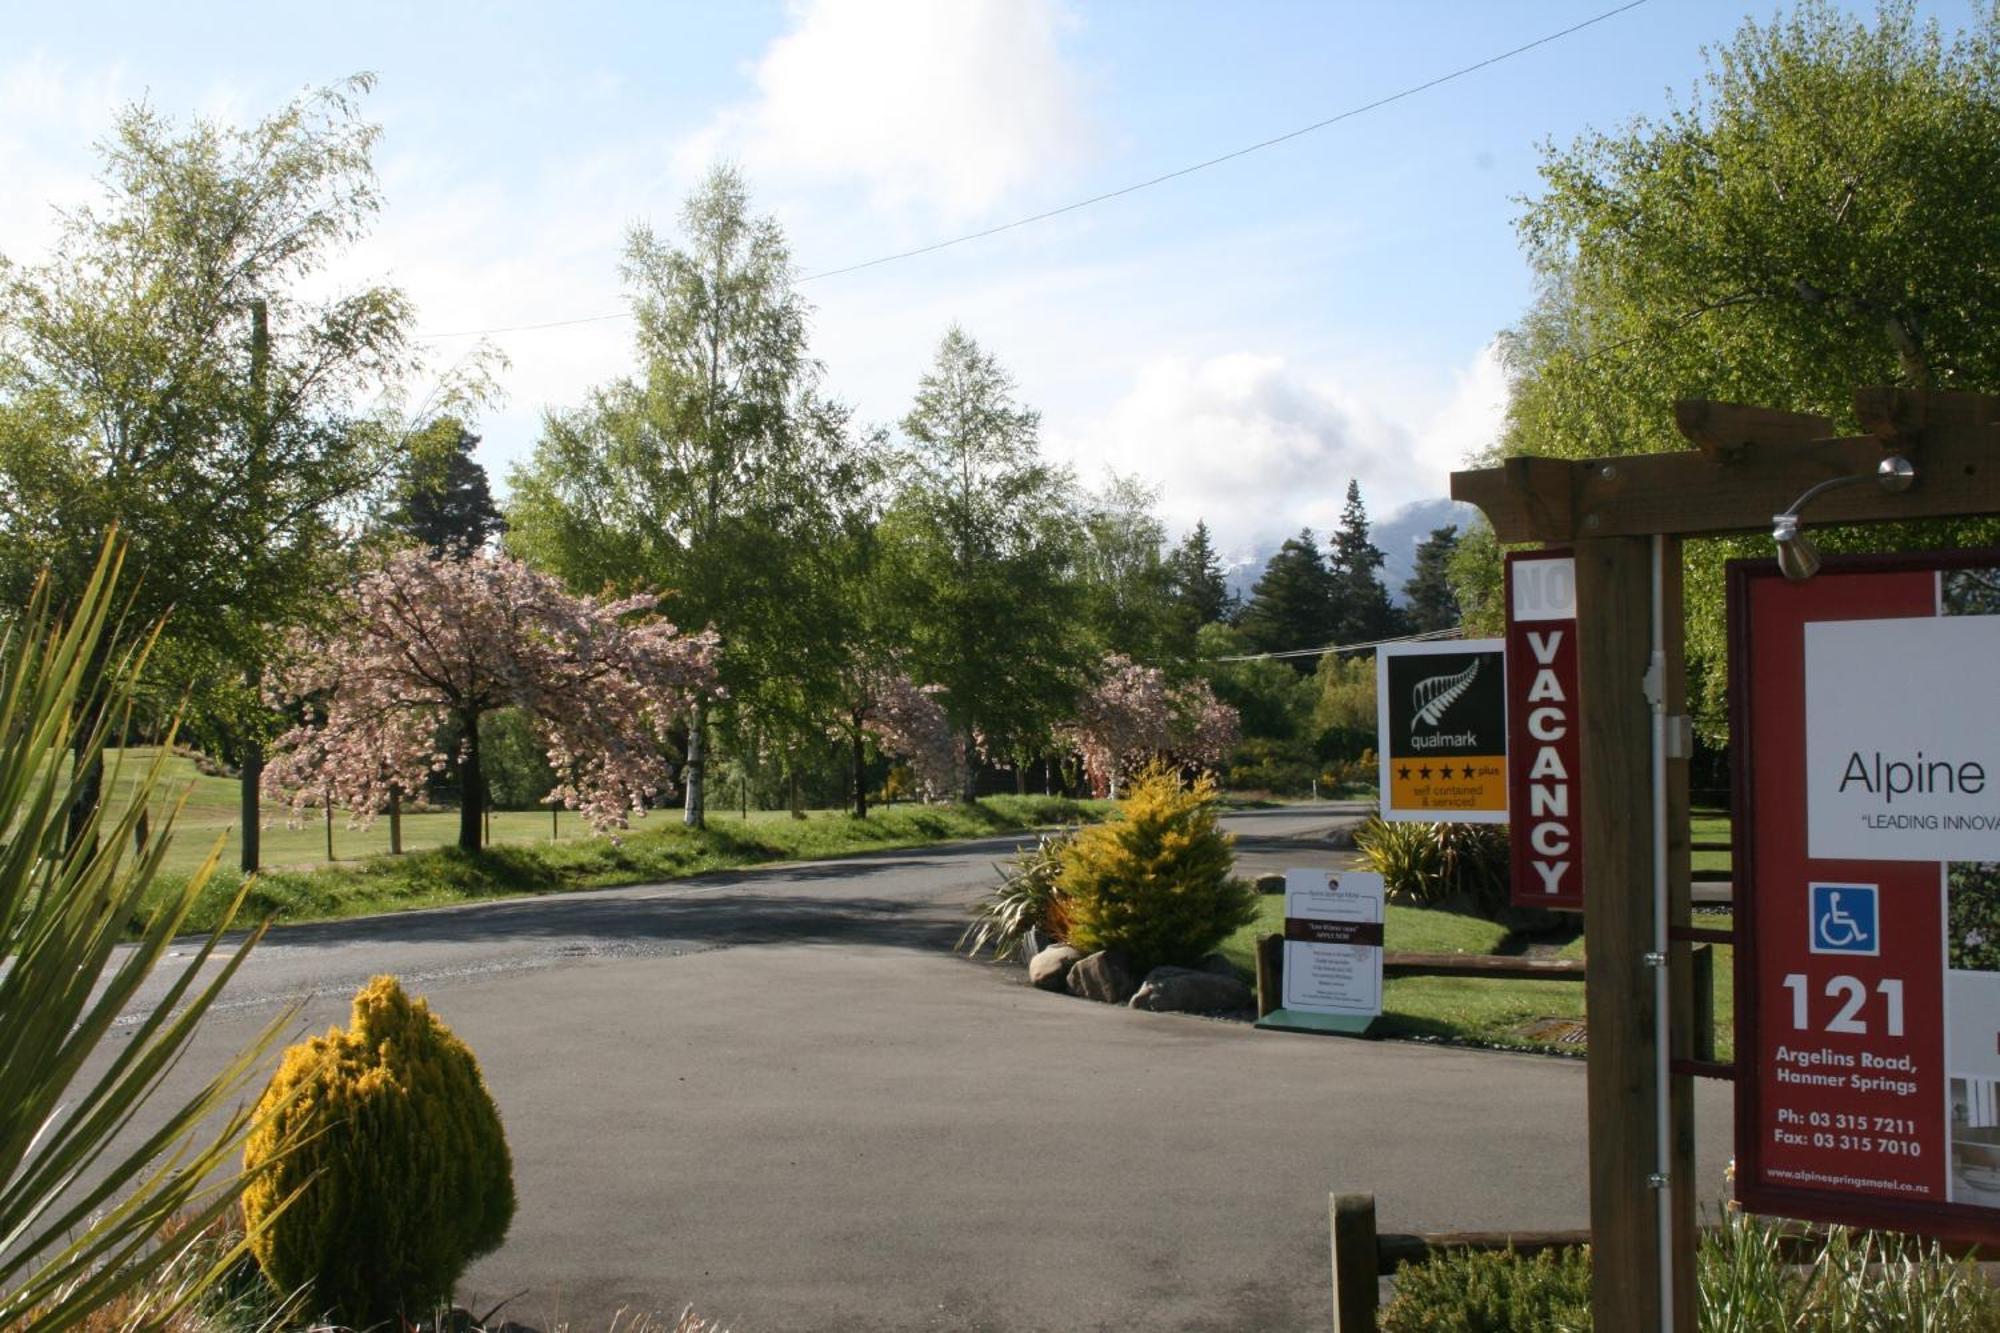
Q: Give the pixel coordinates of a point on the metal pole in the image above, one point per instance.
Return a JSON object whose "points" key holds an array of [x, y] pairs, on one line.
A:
{"points": [[1663, 1156]]}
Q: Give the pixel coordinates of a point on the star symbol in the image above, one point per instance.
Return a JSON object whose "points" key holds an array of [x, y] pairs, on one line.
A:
{"points": [[1468, 770], [1424, 772], [1404, 772]]}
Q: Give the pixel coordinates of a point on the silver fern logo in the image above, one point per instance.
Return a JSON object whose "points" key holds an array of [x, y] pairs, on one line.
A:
{"points": [[1434, 696]]}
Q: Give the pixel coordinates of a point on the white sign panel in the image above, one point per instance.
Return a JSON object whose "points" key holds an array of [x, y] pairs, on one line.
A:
{"points": [[1333, 942], [1902, 759]]}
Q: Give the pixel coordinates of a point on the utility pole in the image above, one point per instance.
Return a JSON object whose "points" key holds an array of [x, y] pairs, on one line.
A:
{"points": [[250, 819]]}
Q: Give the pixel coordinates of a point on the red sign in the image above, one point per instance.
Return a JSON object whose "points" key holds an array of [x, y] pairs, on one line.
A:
{"points": [[1867, 882], [1544, 797]]}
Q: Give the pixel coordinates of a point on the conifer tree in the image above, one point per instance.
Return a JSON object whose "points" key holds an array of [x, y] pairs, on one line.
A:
{"points": [[1291, 605], [1361, 606], [1200, 587], [1430, 603]]}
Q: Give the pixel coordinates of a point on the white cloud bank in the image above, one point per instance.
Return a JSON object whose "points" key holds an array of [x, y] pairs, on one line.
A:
{"points": [[949, 107], [1260, 448]]}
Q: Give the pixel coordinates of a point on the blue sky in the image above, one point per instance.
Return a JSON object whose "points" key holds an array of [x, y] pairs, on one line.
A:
{"points": [[1246, 338]]}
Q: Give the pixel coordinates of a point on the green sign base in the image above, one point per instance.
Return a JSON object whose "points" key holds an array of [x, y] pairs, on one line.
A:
{"points": [[1337, 1025]]}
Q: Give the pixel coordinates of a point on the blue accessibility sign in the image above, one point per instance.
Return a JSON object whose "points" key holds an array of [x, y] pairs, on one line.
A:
{"points": [[1845, 919]]}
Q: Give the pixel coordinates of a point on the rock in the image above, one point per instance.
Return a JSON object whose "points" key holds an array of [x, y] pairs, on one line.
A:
{"points": [[1270, 883], [1216, 965], [1050, 968], [1107, 976], [1183, 990]]}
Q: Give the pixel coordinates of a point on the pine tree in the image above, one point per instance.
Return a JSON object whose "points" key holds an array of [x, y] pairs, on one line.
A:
{"points": [[1361, 607], [1291, 605], [1200, 587], [1431, 604], [443, 499]]}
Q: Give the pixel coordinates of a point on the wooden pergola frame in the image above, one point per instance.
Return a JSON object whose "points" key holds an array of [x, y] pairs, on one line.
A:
{"points": [[1748, 463]]}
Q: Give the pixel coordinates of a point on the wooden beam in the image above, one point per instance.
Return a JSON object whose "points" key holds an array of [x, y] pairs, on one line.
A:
{"points": [[1691, 494], [1723, 430], [1495, 966], [1687, 1022], [1357, 1296], [1614, 599]]}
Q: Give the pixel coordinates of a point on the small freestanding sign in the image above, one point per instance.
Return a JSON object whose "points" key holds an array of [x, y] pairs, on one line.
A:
{"points": [[1441, 729], [1333, 953], [1868, 883], [1544, 752]]}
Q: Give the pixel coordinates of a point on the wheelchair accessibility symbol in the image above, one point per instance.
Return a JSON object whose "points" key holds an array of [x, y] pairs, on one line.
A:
{"points": [[1845, 919]]}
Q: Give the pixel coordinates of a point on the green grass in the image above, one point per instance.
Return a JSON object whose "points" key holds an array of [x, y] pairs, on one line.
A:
{"points": [[299, 885], [1488, 1012]]}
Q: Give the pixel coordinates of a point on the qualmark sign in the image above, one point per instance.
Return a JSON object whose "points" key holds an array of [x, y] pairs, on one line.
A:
{"points": [[1867, 869], [1442, 730], [1543, 752]]}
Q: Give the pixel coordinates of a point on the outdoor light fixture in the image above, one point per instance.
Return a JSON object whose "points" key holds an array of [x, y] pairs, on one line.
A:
{"points": [[1798, 558]]}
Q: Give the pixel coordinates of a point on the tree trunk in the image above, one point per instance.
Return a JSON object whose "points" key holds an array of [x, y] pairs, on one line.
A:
{"points": [[395, 822], [329, 827], [89, 787], [860, 772], [695, 815], [1021, 776], [971, 791], [471, 787]]}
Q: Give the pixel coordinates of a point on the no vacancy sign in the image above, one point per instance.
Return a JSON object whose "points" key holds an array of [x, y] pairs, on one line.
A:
{"points": [[1544, 749], [1867, 869], [1441, 730]]}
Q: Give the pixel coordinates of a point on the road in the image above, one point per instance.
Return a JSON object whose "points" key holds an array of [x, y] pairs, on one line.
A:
{"points": [[777, 1095]]}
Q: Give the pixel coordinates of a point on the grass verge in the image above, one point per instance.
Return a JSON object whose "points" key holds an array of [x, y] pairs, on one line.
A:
{"points": [[663, 851], [1473, 1010]]}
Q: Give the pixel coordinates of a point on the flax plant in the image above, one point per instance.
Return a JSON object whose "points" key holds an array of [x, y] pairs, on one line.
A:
{"points": [[91, 1173]]}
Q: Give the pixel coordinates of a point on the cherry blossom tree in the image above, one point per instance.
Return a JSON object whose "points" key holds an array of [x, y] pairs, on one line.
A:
{"points": [[1133, 714], [906, 720], [422, 644]]}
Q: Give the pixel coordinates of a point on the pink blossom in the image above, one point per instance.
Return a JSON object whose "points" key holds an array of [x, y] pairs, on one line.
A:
{"points": [[1132, 715], [906, 721], [421, 641]]}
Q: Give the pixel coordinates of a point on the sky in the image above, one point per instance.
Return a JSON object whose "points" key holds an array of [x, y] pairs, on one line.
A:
{"points": [[1245, 338]]}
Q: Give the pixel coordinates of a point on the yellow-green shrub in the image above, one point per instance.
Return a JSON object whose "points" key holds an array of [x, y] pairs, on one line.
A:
{"points": [[1155, 881], [398, 1159]]}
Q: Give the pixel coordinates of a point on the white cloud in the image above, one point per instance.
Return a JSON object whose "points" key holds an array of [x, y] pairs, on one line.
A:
{"points": [[945, 106], [47, 109], [1259, 447]]}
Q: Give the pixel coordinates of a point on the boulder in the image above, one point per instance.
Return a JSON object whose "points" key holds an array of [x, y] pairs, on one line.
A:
{"points": [[1270, 883], [1107, 976], [1050, 968], [1217, 965], [1183, 990]]}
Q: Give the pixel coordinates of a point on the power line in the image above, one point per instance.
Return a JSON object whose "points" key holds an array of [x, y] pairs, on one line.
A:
{"points": [[1124, 190], [1429, 636]]}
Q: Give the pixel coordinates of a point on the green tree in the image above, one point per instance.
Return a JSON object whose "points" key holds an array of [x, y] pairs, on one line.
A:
{"points": [[1362, 610], [1127, 582], [1430, 602], [717, 473], [1824, 215], [982, 530], [176, 367], [1272, 701], [1199, 584], [441, 497], [1291, 604]]}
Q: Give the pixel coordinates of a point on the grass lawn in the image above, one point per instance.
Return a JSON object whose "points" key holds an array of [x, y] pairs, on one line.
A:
{"points": [[1477, 1009], [299, 885]]}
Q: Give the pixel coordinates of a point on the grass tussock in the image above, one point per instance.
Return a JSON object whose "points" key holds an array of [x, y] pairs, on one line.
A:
{"points": [[659, 848]]}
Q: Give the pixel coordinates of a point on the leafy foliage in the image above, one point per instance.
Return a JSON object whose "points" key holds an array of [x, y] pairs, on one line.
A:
{"points": [[1430, 602], [1291, 605], [1200, 587], [1155, 882], [64, 906], [1973, 927], [1132, 716], [1824, 214], [391, 1142], [1361, 607], [1467, 1291], [442, 499], [1028, 896], [1438, 865]]}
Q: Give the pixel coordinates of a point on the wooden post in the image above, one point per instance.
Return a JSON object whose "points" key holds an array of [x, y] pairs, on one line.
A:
{"points": [[555, 823], [1356, 1270], [1680, 912], [1270, 973], [1701, 1030], [1614, 647], [395, 822]]}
